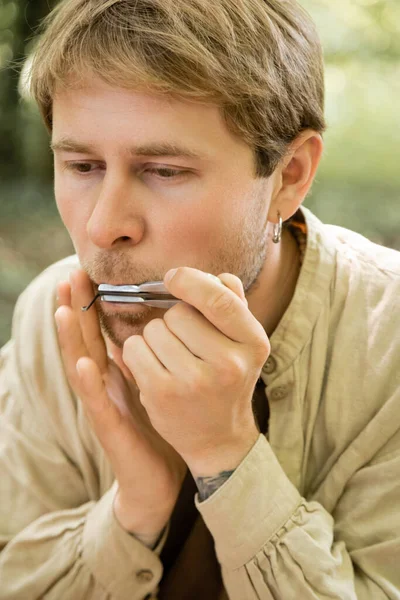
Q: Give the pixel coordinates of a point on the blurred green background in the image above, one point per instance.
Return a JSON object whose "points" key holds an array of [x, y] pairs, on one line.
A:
{"points": [[357, 185]]}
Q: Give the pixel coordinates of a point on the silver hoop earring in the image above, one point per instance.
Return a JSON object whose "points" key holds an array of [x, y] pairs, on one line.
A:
{"points": [[278, 230]]}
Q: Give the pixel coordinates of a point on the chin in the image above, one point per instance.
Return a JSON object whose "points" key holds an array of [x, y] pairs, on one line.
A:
{"points": [[118, 326]]}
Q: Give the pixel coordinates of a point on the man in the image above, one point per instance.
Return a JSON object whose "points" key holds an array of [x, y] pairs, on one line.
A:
{"points": [[244, 443]]}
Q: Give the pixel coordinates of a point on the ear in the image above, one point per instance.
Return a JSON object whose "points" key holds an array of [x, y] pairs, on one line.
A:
{"points": [[295, 175]]}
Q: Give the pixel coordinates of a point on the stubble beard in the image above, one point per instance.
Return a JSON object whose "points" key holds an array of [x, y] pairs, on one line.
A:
{"points": [[243, 254]]}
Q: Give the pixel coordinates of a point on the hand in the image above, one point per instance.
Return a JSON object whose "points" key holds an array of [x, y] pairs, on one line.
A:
{"points": [[149, 472], [197, 368]]}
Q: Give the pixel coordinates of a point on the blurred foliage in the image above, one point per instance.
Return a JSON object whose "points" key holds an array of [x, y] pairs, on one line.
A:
{"points": [[357, 183]]}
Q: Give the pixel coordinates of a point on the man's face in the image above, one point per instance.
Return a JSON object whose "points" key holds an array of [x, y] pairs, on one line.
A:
{"points": [[134, 210]]}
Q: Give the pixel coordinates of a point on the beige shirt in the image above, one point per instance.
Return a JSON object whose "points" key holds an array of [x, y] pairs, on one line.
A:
{"points": [[312, 512]]}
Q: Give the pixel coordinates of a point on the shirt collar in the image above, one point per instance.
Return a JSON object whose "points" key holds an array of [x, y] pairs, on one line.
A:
{"points": [[295, 328]]}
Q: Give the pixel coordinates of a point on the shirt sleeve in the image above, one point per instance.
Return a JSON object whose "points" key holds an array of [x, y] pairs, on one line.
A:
{"points": [[59, 537], [274, 544]]}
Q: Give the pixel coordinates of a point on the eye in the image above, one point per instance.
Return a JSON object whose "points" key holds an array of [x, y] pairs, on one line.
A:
{"points": [[80, 167], [165, 173]]}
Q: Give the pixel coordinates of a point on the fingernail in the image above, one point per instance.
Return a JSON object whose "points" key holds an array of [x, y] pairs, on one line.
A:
{"points": [[70, 279], [170, 275]]}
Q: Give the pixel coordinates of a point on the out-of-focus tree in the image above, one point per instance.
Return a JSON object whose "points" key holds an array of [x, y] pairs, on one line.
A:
{"points": [[362, 33], [357, 184], [357, 30], [18, 22], [31, 235]]}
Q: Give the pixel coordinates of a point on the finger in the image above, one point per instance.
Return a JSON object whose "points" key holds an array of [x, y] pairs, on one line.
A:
{"points": [[234, 283], [112, 429], [116, 356], [219, 304], [71, 342], [170, 350], [122, 438], [197, 335], [142, 362], [82, 294], [63, 294]]}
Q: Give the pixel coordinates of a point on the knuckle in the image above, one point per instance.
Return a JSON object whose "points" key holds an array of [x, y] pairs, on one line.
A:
{"points": [[263, 348], [223, 303], [231, 278], [197, 381], [231, 371]]}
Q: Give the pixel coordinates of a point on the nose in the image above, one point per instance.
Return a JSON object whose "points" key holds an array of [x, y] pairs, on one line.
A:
{"points": [[116, 215]]}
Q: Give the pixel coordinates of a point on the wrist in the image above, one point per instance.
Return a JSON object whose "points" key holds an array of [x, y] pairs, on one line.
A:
{"points": [[148, 528], [223, 457], [150, 541]]}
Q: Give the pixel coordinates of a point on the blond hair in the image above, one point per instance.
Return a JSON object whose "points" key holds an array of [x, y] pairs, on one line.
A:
{"points": [[259, 60]]}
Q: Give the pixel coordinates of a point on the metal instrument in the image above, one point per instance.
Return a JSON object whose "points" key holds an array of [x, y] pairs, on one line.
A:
{"points": [[152, 293]]}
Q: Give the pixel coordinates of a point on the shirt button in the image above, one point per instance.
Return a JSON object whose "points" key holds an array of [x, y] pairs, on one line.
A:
{"points": [[144, 576], [278, 393], [269, 366]]}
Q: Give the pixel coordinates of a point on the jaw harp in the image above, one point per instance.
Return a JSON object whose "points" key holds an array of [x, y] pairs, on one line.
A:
{"points": [[153, 293]]}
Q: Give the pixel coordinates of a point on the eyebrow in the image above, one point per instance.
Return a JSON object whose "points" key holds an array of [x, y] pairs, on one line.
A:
{"points": [[166, 149]]}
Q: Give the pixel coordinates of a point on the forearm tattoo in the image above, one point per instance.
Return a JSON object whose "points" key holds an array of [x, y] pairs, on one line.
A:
{"points": [[208, 485]]}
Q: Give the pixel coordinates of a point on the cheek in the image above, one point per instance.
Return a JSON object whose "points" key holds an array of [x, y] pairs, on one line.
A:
{"points": [[182, 235], [72, 212], [182, 232], [197, 231]]}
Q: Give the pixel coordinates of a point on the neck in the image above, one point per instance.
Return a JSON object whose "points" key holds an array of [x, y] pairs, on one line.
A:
{"points": [[277, 283]]}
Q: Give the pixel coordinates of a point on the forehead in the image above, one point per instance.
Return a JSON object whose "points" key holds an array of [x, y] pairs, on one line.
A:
{"points": [[91, 93], [95, 109]]}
